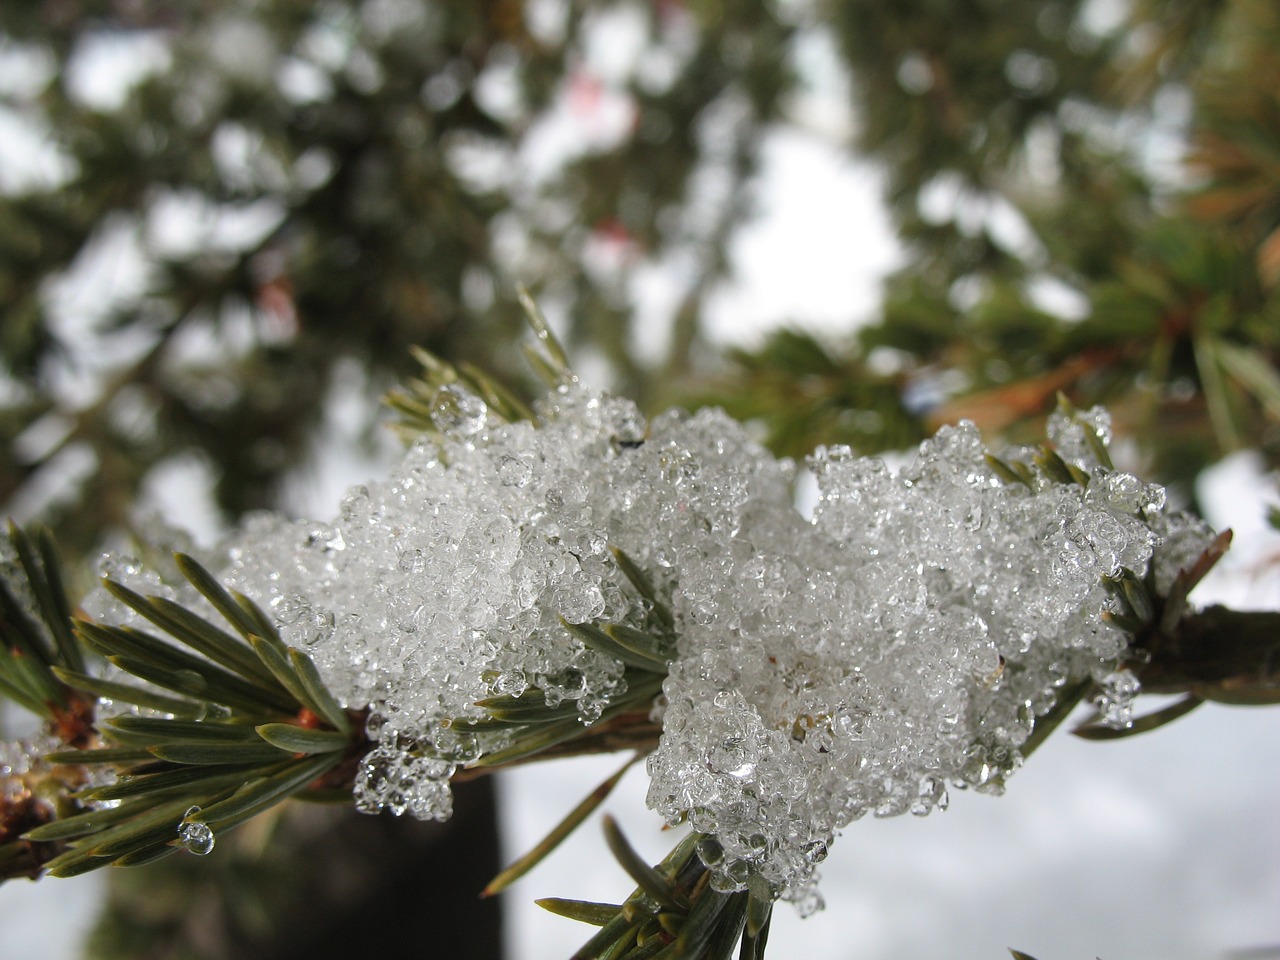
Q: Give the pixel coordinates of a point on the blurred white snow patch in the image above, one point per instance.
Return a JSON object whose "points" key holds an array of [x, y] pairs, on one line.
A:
{"points": [[29, 160], [185, 223], [823, 101], [593, 110], [617, 39], [106, 66], [587, 116], [242, 47], [110, 271], [180, 490], [1235, 494], [56, 482], [658, 291], [25, 69], [50, 920], [343, 452], [1056, 297], [817, 251]]}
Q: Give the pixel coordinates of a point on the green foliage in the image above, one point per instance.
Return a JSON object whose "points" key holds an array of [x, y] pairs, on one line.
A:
{"points": [[674, 913], [219, 735], [374, 156], [1042, 121], [36, 636], [806, 396]]}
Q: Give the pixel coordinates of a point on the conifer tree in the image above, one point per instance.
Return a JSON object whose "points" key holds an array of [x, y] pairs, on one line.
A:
{"points": [[1091, 211]]}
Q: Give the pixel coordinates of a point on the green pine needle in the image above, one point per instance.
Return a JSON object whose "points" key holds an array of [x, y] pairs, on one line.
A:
{"points": [[571, 822], [126, 693], [584, 911], [646, 877], [598, 640], [295, 739]]}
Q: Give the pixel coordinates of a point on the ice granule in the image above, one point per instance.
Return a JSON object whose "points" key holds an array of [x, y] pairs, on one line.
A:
{"points": [[1069, 434], [898, 643], [1115, 702]]}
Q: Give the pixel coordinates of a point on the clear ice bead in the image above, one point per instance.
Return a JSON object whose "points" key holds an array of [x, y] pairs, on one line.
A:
{"points": [[194, 835]]}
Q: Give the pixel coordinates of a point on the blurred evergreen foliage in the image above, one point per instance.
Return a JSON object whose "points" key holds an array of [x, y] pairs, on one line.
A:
{"points": [[285, 184], [1087, 193], [1089, 200]]}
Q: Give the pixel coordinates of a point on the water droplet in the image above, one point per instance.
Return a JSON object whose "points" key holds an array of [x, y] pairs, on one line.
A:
{"points": [[289, 610], [194, 834], [815, 852], [710, 851], [212, 711], [732, 756], [321, 626]]}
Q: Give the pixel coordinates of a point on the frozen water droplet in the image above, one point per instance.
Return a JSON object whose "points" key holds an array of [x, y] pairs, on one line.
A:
{"points": [[514, 471], [194, 835], [325, 539], [458, 412], [710, 851], [119, 566], [815, 852], [808, 901], [732, 756], [628, 425], [320, 627], [1115, 702], [212, 711], [289, 610], [412, 561], [931, 793]]}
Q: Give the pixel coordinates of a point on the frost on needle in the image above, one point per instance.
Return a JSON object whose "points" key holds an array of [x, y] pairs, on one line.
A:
{"points": [[899, 642]]}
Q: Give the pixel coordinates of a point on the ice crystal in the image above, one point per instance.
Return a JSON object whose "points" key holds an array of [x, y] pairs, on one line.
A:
{"points": [[900, 641], [1115, 702]]}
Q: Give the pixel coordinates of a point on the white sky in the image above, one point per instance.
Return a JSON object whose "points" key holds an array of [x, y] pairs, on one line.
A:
{"points": [[815, 257]]}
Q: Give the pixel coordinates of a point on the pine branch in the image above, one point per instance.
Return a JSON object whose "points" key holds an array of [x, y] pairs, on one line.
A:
{"points": [[225, 720], [223, 744]]}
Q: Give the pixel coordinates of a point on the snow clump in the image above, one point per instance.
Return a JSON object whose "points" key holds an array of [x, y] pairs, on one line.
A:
{"points": [[899, 642]]}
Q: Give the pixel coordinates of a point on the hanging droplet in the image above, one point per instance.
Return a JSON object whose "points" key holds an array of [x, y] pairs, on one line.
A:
{"points": [[195, 835]]}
